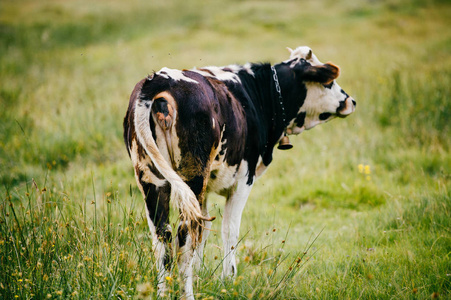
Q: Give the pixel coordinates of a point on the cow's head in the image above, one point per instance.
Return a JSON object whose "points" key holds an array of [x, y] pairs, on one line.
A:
{"points": [[325, 99]]}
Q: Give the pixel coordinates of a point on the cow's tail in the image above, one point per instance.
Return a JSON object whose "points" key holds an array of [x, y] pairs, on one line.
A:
{"points": [[182, 196]]}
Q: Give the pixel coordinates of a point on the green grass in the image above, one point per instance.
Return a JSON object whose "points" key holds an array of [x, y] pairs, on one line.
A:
{"points": [[318, 225]]}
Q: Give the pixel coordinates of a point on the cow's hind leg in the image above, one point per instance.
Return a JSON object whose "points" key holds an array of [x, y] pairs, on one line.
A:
{"points": [[231, 226], [199, 255], [185, 255], [187, 249], [157, 205]]}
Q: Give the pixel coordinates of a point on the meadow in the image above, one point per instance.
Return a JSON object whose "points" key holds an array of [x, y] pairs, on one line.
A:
{"points": [[360, 208]]}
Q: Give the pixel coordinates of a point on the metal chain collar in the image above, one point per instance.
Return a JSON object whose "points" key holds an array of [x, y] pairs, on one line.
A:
{"points": [[276, 81]]}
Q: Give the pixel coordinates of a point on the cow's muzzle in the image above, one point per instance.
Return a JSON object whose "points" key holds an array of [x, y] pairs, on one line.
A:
{"points": [[346, 108]]}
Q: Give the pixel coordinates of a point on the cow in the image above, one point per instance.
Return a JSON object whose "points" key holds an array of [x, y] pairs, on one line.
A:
{"points": [[214, 129]]}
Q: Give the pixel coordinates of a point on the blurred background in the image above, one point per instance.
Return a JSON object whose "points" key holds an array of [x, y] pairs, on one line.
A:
{"points": [[377, 180]]}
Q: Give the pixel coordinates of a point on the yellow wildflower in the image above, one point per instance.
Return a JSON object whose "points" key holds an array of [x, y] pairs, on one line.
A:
{"points": [[361, 168]]}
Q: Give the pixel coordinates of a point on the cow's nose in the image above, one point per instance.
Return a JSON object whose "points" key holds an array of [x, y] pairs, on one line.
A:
{"points": [[348, 108]]}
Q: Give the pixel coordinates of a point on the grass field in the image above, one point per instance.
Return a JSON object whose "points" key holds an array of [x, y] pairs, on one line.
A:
{"points": [[359, 209]]}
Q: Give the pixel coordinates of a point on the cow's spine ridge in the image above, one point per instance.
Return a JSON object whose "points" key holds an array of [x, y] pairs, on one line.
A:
{"points": [[182, 196]]}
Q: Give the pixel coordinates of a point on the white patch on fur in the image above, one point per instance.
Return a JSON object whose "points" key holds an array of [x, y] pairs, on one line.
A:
{"points": [[220, 74], [202, 72], [248, 69], [235, 68], [175, 74], [320, 100], [226, 175], [303, 52]]}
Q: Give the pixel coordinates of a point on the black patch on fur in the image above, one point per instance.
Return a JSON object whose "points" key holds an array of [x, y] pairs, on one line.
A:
{"points": [[167, 260], [344, 93], [329, 86], [155, 171], [157, 202], [300, 119], [341, 106], [196, 184], [182, 234], [213, 174], [324, 116]]}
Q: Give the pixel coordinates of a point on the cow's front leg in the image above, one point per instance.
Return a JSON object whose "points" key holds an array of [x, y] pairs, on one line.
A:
{"points": [[231, 226]]}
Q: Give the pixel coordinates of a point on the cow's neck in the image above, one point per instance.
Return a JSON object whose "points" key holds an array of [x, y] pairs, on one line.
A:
{"points": [[293, 91], [262, 92], [280, 112]]}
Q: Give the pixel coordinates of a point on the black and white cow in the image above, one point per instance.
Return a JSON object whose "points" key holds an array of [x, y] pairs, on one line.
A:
{"points": [[214, 129]]}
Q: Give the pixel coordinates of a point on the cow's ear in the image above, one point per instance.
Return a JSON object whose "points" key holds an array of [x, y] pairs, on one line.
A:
{"points": [[324, 74]]}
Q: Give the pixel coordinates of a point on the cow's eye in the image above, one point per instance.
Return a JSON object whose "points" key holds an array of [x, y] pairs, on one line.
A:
{"points": [[324, 116]]}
